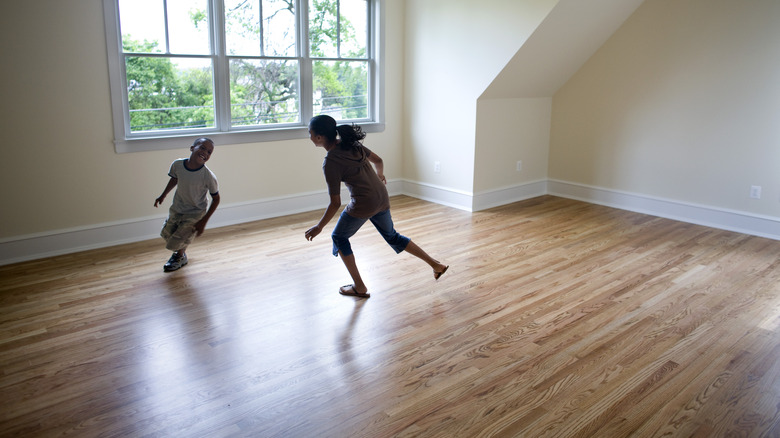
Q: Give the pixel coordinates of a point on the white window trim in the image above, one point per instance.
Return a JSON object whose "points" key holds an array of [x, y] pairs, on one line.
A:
{"points": [[138, 142]]}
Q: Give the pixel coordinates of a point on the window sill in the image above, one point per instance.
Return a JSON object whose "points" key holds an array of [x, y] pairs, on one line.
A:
{"points": [[143, 144]]}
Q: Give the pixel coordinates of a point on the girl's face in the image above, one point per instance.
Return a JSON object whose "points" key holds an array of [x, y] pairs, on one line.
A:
{"points": [[318, 140]]}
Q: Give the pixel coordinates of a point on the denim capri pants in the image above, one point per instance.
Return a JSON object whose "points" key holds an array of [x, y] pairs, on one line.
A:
{"points": [[348, 225]]}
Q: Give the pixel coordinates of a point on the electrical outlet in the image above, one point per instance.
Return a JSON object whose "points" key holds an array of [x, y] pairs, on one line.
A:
{"points": [[519, 165], [436, 167], [755, 192]]}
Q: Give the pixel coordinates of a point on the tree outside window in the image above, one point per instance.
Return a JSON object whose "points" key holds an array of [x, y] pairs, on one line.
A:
{"points": [[222, 65]]}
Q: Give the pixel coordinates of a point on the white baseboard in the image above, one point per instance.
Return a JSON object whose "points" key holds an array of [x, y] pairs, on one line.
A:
{"points": [[731, 220], [35, 246], [508, 195], [440, 195], [40, 245], [66, 241]]}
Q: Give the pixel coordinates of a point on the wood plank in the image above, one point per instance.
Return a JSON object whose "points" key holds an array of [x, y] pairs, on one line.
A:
{"points": [[557, 318]]}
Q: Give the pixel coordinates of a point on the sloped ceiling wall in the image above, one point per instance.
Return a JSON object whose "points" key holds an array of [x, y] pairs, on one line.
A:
{"points": [[513, 117], [567, 37]]}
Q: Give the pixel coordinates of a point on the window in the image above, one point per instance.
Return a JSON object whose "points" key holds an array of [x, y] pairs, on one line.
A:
{"points": [[240, 70]]}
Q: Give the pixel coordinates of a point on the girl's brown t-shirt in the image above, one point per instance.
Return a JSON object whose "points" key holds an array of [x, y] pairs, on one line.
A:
{"points": [[367, 192]]}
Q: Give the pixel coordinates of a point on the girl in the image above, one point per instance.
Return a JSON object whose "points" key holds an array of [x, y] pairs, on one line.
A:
{"points": [[349, 161]]}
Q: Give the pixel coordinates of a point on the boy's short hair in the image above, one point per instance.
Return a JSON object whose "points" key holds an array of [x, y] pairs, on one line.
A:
{"points": [[202, 140]]}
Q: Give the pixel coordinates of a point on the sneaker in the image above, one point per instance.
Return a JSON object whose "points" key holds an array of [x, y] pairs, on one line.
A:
{"points": [[175, 262]]}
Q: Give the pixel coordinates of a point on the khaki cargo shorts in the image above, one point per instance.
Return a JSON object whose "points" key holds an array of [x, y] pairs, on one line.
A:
{"points": [[179, 230]]}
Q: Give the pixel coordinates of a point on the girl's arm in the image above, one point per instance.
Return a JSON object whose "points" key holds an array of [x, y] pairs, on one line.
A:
{"points": [[171, 184], [333, 207], [379, 165]]}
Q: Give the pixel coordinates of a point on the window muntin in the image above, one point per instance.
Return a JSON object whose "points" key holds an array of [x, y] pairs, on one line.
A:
{"points": [[194, 67]]}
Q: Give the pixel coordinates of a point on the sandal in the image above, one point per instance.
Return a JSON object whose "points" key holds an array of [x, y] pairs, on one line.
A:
{"points": [[349, 290], [436, 275]]}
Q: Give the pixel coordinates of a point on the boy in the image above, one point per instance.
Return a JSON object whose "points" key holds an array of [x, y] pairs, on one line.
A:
{"points": [[188, 215]]}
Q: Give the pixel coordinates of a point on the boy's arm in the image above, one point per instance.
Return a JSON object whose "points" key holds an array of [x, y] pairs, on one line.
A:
{"points": [[379, 165], [200, 226], [333, 208], [171, 184]]}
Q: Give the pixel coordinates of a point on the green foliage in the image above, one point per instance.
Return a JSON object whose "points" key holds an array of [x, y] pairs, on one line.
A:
{"points": [[198, 17], [263, 91], [341, 85], [323, 27], [164, 96]]}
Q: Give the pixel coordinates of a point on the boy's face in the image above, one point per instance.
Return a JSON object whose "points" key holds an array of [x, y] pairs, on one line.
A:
{"points": [[201, 152]]}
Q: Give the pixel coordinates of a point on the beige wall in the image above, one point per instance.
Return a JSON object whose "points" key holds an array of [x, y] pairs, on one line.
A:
{"points": [[508, 131], [681, 103], [453, 50], [513, 113], [59, 168]]}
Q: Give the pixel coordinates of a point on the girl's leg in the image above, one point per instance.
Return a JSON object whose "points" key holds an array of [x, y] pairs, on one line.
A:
{"points": [[345, 228], [384, 224], [358, 285], [438, 267]]}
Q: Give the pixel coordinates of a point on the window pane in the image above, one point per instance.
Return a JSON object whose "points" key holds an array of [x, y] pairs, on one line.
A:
{"points": [[169, 93], [263, 92], [142, 25], [242, 27], [323, 28], [278, 28], [341, 89], [173, 66], [188, 27], [354, 28]]}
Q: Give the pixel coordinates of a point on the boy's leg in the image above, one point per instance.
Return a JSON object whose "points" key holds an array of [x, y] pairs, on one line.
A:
{"points": [[169, 226], [184, 232], [178, 232], [178, 260]]}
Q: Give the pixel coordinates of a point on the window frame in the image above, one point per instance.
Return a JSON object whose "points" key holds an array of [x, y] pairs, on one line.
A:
{"points": [[125, 141]]}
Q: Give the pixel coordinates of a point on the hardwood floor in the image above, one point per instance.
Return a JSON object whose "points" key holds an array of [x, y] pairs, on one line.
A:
{"points": [[556, 318]]}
